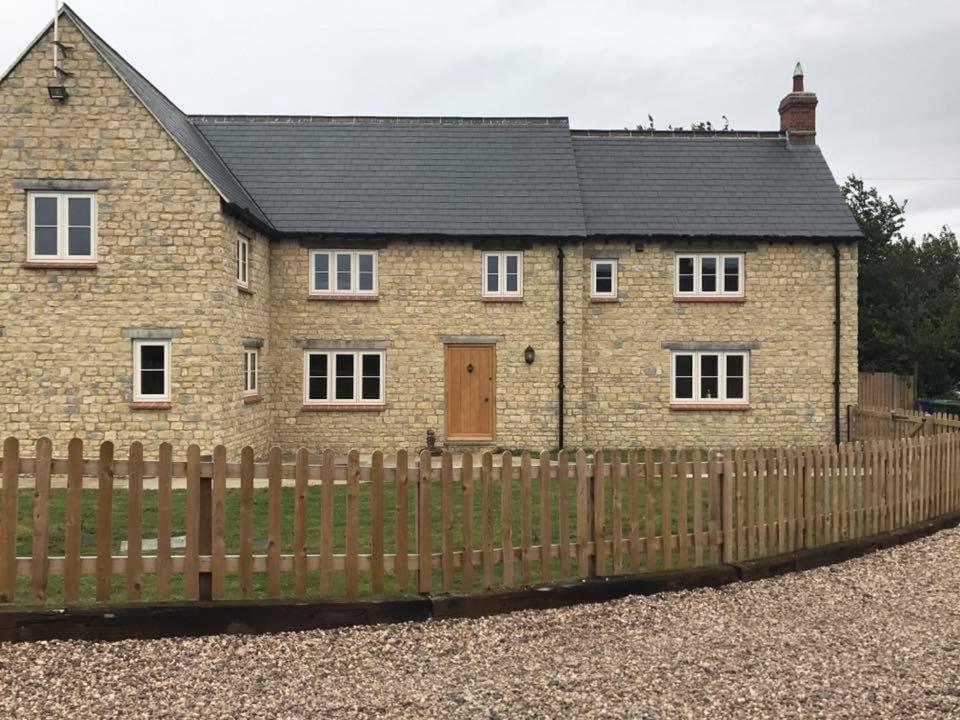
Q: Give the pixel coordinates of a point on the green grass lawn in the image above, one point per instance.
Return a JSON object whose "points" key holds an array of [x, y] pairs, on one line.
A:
{"points": [[260, 523]]}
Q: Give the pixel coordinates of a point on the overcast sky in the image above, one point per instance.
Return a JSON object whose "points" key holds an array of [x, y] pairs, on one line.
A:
{"points": [[885, 71]]}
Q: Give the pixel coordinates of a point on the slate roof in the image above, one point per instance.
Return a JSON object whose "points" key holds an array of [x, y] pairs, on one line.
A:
{"points": [[444, 176], [506, 177], [713, 184], [176, 123]]}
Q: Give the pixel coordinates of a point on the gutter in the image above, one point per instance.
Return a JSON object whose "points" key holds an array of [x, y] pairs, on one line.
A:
{"points": [[836, 343], [560, 332]]}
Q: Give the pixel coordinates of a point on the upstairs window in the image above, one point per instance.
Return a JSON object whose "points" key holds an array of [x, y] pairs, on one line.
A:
{"points": [[344, 377], [62, 227], [243, 261], [251, 368], [343, 272], [710, 377], [603, 279], [709, 275], [151, 370], [503, 274]]}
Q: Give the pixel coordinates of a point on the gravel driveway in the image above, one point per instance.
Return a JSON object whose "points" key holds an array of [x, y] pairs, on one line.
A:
{"points": [[877, 637]]}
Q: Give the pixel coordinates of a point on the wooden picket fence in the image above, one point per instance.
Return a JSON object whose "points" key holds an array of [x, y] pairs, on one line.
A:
{"points": [[391, 524], [887, 390], [870, 423]]}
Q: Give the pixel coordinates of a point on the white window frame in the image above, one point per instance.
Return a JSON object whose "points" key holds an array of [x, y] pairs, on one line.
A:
{"points": [[251, 355], [594, 293], [63, 224], [721, 380], [331, 398], [698, 275], [501, 290], [243, 260], [138, 395], [354, 273]]}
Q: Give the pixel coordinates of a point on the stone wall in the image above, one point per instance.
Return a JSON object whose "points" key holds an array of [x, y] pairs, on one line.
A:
{"points": [[65, 369]]}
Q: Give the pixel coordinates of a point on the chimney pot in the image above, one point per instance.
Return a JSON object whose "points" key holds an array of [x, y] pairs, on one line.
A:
{"points": [[798, 112]]}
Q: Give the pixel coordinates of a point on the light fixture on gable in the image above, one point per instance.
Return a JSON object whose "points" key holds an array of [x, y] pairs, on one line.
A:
{"points": [[56, 89]]}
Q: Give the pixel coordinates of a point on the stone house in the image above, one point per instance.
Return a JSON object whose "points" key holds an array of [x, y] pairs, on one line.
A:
{"points": [[355, 281]]}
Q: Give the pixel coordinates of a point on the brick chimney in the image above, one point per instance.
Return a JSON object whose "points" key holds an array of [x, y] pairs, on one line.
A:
{"points": [[798, 112]]}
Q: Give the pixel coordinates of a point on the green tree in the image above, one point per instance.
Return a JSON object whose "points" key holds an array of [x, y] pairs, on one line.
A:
{"points": [[909, 293]]}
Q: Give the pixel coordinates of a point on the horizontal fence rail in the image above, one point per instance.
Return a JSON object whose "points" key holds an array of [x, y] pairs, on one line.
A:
{"points": [[83, 529]]}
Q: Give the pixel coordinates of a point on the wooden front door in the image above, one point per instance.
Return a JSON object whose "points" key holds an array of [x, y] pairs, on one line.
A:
{"points": [[471, 392]]}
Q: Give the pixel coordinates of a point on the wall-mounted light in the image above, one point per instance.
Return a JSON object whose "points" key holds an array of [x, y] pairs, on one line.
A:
{"points": [[58, 93], [529, 355]]}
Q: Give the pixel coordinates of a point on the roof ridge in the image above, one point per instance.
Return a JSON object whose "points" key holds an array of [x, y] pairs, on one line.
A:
{"points": [[557, 120], [679, 133]]}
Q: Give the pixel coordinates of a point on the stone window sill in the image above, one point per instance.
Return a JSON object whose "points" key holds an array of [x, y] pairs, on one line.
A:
{"points": [[252, 399], [493, 299], [709, 407], [343, 407], [708, 299], [142, 405], [344, 298], [58, 265], [604, 299], [244, 290]]}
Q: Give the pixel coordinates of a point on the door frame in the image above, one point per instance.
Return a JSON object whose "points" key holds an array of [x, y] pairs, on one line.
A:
{"points": [[468, 439]]}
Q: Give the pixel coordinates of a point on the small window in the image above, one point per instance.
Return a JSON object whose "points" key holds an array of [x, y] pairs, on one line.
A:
{"points": [[707, 275], [343, 377], [503, 274], [251, 369], [710, 377], [62, 226], [151, 370], [343, 272], [243, 261], [603, 278]]}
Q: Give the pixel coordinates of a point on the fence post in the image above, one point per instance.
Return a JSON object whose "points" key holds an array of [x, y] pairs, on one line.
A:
{"points": [[591, 512], [424, 564], [205, 536], [726, 508]]}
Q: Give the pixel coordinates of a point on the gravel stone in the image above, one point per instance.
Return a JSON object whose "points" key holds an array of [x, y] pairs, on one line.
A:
{"points": [[875, 637]]}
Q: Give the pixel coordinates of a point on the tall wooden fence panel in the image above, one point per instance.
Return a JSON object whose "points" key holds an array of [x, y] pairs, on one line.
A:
{"points": [[870, 423], [112, 525], [887, 390]]}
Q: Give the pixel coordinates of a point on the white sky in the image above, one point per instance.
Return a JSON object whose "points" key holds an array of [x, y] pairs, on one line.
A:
{"points": [[886, 71]]}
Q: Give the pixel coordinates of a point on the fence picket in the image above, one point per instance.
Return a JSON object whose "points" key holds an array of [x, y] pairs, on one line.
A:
{"points": [[401, 503], [274, 491], [352, 544], [327, 470], [616, 520], [742, 474], [486, 508], [650, 519], [633, 509], [583, 515], [41, 519], [218, 499], [563, 511], [424, 520], [597, 496], [164, 519], [376, 522], [301, 470], [506, 516], [666, 509], [728, 482], [546, 526], [446, 521], [683, 558], [134, 520], [191, 563], [466, 483], [246, 521], [526, 518], [698, 531], [714, 465], [105, 521]]}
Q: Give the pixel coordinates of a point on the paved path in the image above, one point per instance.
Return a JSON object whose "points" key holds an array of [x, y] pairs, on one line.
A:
{"points": [[877, 637]]}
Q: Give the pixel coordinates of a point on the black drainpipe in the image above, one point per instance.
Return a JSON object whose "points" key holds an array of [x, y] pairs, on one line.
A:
{"points": [[836, 343], [560, 324]]}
